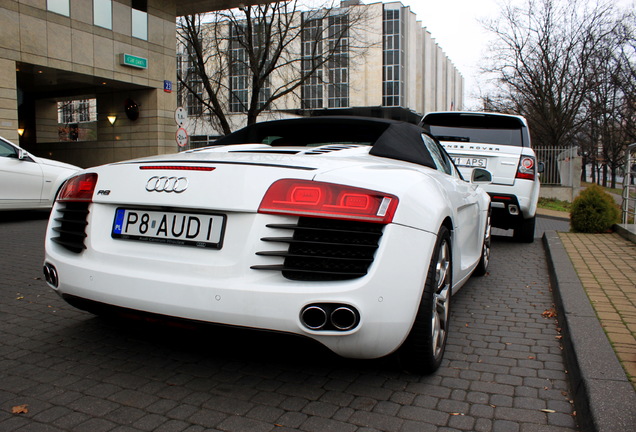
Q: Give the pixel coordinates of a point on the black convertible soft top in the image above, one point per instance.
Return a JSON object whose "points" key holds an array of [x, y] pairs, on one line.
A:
{"points": [[389, 138]]}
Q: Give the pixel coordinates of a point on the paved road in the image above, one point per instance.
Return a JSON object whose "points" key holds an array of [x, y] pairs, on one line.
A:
{"points": [[66, 370]]}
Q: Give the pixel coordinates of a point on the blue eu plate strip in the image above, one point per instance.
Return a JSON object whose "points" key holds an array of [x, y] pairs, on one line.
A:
{"points": [[119, 221]]}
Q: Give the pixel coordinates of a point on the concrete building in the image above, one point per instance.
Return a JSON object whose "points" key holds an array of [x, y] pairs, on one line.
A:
{"points": [[90, 81], [119, 55], [400, 72]]}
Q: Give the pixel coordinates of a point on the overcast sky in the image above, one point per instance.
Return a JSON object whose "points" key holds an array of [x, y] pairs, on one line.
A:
{"points": [[454, 25]]}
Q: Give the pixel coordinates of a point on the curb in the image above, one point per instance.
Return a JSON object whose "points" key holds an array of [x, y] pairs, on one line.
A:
{"points": [[553, 214], [604, 398], [627, 231]]}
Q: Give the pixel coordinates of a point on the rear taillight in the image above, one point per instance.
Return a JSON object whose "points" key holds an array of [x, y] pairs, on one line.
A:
{"points": [[526, 168], [78, 189], [328, 200]]}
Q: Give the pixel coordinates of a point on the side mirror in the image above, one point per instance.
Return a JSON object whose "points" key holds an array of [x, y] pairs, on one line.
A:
{"points": [[22, 155], [481, 176], [540, 167]]}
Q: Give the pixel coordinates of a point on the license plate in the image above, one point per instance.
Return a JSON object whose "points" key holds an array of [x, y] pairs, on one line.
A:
{"points": [[185, 229], [465, 161]]}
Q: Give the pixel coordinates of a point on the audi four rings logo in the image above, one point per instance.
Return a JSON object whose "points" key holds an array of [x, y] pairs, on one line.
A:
{"points": [[167, 184]]}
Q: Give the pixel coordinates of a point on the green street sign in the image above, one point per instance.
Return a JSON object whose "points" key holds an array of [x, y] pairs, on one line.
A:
{"points": [[133, 61]]}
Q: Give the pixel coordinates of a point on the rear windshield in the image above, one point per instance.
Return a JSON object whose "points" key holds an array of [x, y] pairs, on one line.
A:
{"points": [[511, 137], [477, 128]]}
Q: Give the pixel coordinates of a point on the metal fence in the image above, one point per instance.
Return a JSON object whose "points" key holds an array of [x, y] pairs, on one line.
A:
{"points": [[629, 189], [198, 141], [558, 169]]}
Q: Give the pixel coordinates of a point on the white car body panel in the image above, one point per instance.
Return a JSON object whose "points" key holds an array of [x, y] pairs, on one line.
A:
{"points": [[219, 285], [30, 182]]}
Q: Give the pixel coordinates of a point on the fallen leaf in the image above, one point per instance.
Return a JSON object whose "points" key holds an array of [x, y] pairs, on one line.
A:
{"points": [[549, 313], [548, 411], [20, 409]]}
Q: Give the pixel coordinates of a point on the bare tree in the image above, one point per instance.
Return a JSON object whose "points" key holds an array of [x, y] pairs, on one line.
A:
{"points": [[541, 62], [244, 60], [608, 101]]}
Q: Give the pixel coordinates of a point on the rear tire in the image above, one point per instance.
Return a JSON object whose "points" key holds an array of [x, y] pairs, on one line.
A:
{"points": [[482, 266], [423, 349], [525, 231]]}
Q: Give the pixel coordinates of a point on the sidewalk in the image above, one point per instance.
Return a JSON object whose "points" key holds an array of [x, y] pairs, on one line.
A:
{"points": [[606, 266], [594, 283]]}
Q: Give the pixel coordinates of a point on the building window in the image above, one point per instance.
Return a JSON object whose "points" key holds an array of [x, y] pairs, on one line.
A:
{"points": [[181, 73], [77, 120], [140, 19], [194, 97], [238, 73], [77, 111], [338, 65], [190, 95], [103, 13], [59, 6], [83, 110], [312, 89], [264, 94], [393, 55]]}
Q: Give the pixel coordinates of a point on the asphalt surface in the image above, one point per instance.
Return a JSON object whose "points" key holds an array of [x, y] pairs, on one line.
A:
{"points": [[62, 369]]}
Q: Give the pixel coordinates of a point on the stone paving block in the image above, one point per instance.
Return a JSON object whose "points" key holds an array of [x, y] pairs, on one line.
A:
{"points": [[239, 423], [149, 422], [90, 372], [318, 424]]}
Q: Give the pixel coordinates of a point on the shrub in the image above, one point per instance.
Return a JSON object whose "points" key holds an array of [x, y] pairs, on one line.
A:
{"points": [[594, 211]]}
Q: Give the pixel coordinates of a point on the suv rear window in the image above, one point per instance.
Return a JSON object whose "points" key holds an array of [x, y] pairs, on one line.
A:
{"points": [[475, 128]]}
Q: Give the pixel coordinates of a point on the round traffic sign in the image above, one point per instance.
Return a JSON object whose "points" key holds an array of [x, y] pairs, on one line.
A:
{"points": [[181, 137], [181, 117]]}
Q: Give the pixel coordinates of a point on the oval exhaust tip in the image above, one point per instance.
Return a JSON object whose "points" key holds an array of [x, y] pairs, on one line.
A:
{"points": [[50, 274], [344, 318], [314, 317]]}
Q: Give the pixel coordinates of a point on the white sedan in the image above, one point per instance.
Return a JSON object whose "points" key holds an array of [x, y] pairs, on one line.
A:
{"points": [[354, 232], [29, 182]]}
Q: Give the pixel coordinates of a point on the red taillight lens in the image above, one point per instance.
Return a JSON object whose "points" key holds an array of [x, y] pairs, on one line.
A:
{"points": [[78, 188], [526, 168], [328, 200]]}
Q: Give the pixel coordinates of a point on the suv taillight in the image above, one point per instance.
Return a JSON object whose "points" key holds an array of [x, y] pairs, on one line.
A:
{"points": [[526, 168], [78, 189], [328, 200]]}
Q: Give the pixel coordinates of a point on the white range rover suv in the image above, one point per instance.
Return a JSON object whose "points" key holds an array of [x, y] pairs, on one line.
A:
{"points": [[499, 143]]}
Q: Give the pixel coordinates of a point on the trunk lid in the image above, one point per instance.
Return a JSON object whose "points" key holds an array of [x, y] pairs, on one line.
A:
{"points": [[234, 180]]}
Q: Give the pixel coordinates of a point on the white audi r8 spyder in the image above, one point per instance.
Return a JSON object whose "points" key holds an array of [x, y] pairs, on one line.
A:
{"points": [[351, 231]]}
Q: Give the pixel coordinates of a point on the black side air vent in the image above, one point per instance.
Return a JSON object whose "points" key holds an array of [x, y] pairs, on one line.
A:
{"points": [[330, 148], [71, 226], [324, 249]]}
